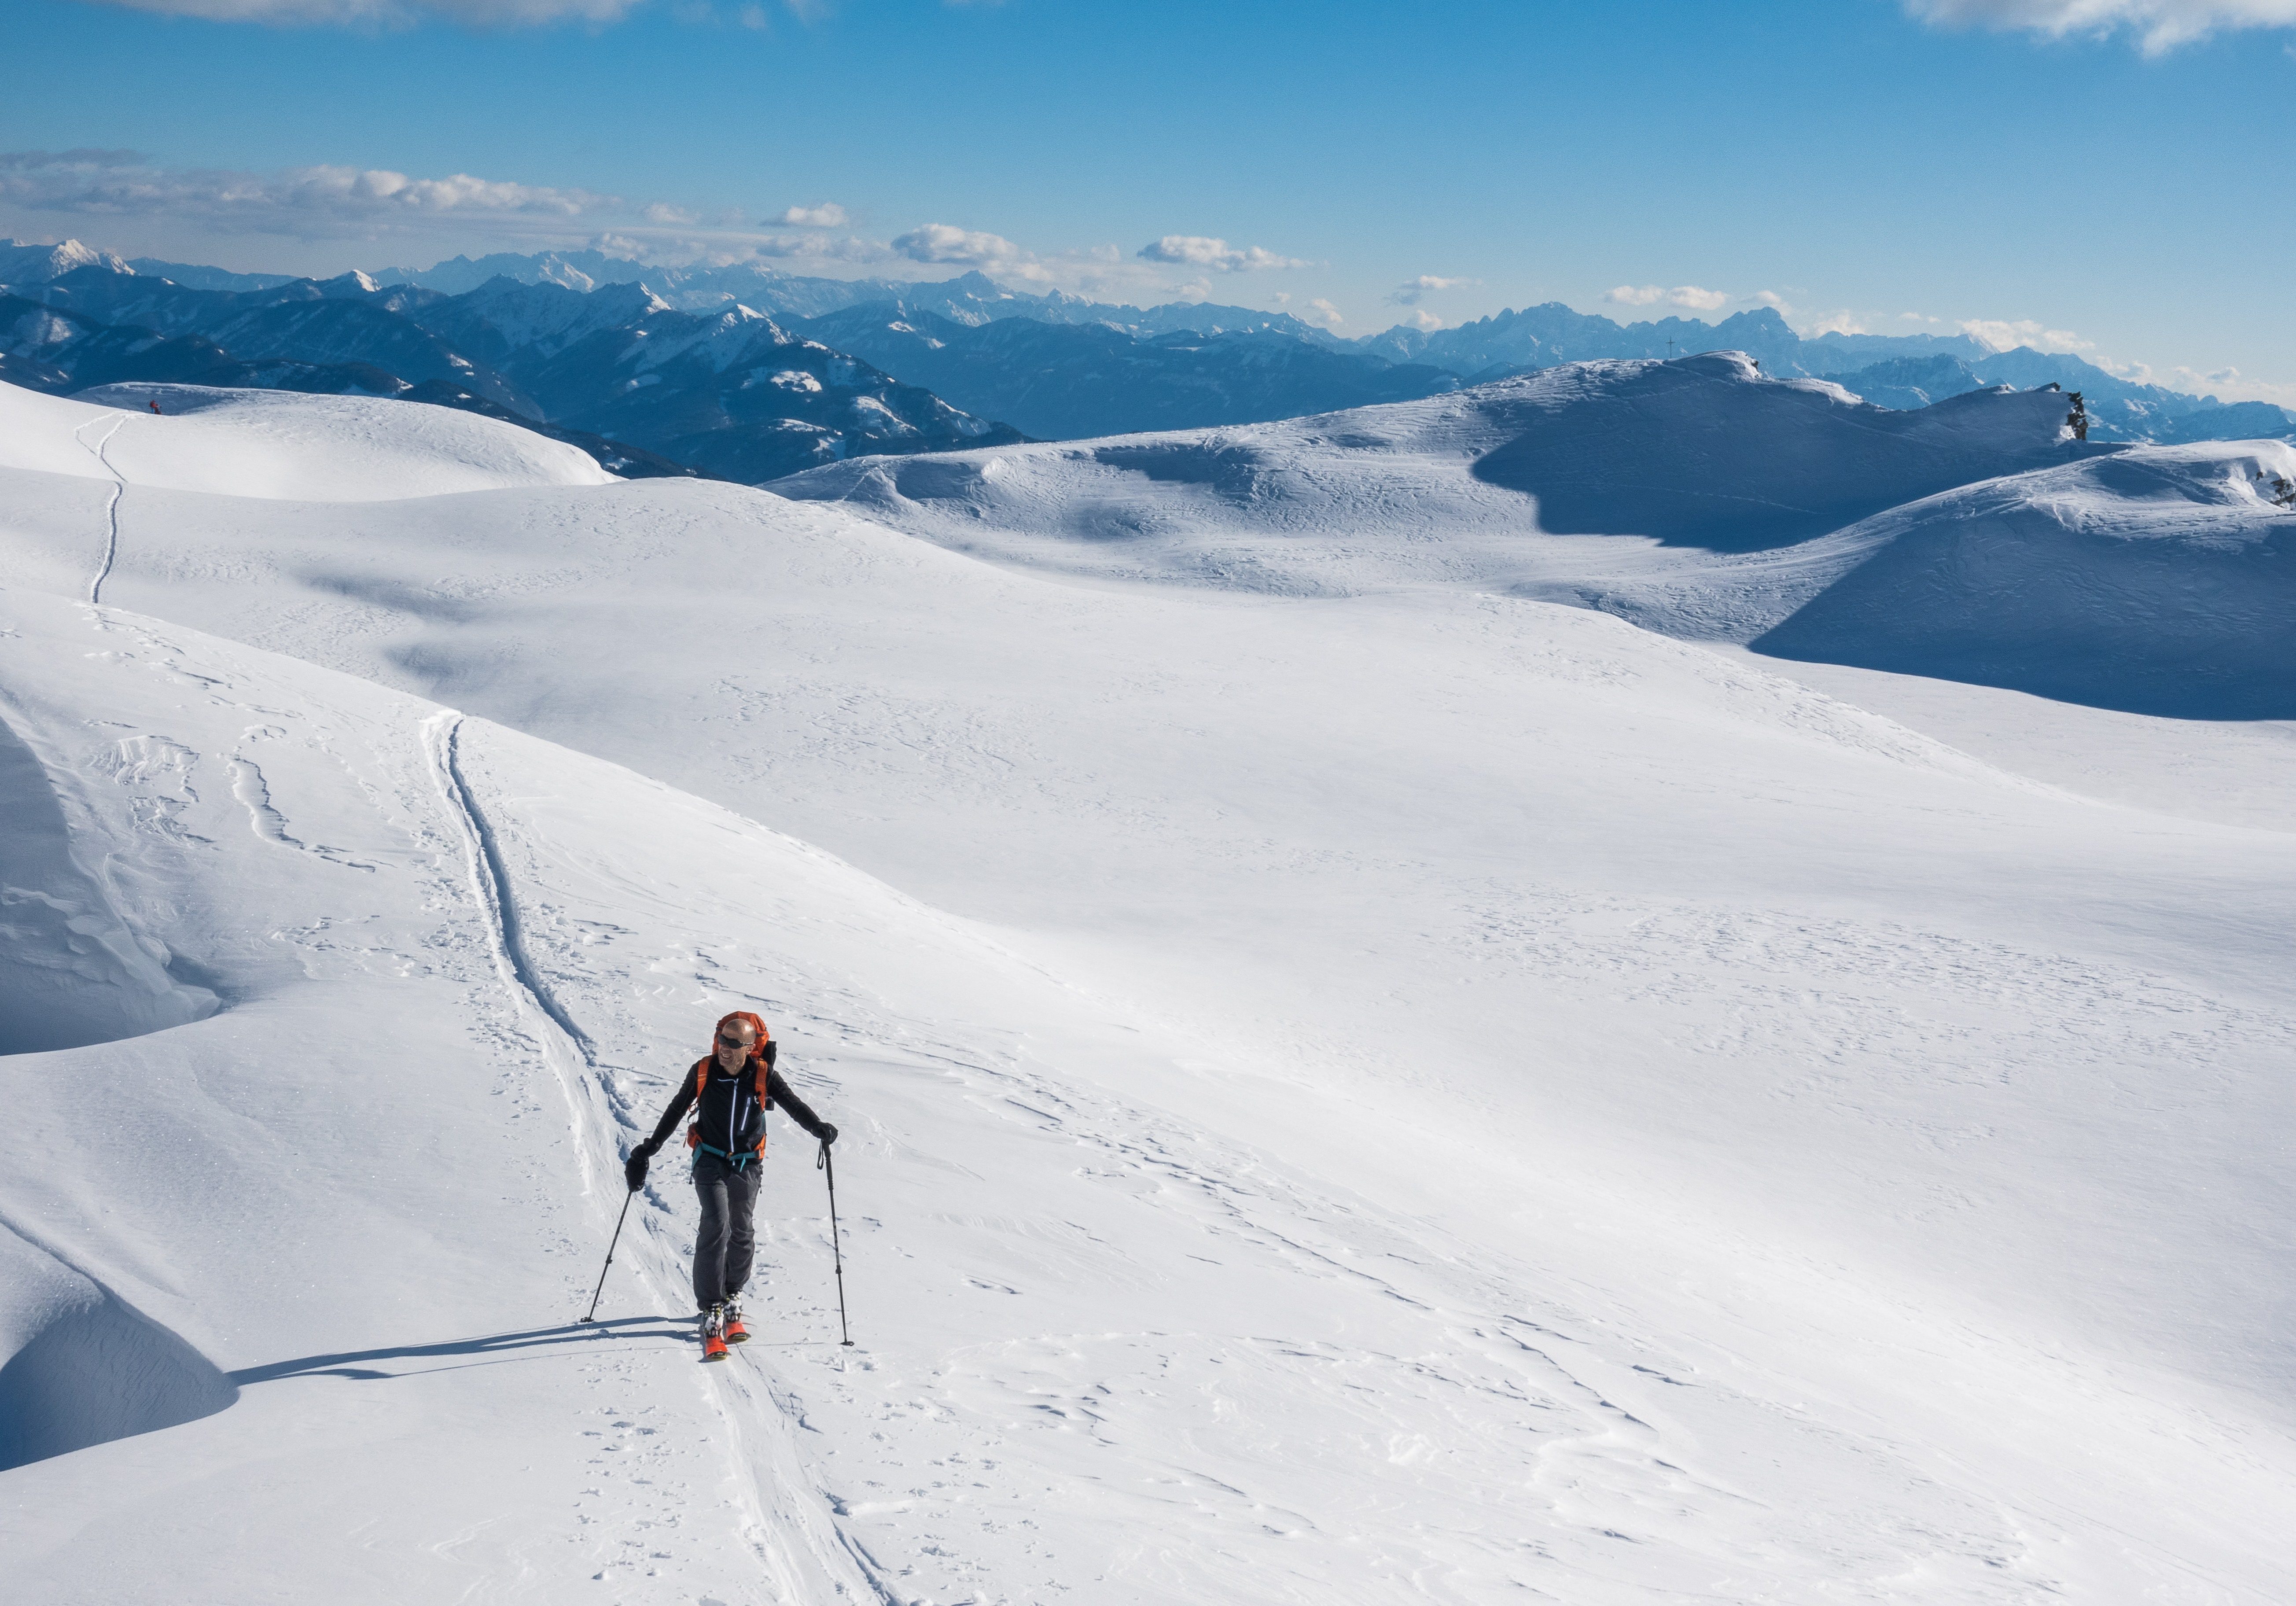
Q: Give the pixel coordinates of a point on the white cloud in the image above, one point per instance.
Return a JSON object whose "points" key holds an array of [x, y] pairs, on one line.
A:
{"points": [[2004, 335], [946, 242], [1690, 295], [2161, 25], [2228, 385], [1835, 322], [1408, 294], [1203, 251], [475, 14], [1770, 297], [1322, 312], [811, 248], [1423, 320], [826, 214]]}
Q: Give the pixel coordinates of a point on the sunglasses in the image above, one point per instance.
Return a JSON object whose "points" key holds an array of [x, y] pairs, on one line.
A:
{"points": [[725, 1042]]}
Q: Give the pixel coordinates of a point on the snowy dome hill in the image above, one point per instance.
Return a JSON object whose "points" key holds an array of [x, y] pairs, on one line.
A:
{"points": [[1358, 1083], [277, 445]]}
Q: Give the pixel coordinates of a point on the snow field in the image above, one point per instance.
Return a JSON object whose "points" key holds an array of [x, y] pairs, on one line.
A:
{"points": [[1416, 1095]]}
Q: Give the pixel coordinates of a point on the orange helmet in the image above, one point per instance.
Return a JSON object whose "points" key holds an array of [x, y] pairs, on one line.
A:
{"points": [[756, 1048]]}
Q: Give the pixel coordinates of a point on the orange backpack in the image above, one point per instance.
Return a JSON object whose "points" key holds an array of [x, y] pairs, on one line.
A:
{"points": [[709, 1062]]}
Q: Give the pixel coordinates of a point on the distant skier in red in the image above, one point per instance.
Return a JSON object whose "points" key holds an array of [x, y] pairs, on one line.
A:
{"points": [[729, 1090]]}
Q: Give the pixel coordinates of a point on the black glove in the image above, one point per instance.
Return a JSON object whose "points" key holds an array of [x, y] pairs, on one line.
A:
{"points": [[828, 1134], [635, 1170]]}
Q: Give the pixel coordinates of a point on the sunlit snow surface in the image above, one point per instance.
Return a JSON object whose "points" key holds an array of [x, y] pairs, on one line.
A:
{"points": [[1352, 1092]]}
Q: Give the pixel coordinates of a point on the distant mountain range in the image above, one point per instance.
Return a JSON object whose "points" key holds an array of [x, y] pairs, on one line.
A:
{"points": [[750, 374], [644, 386], [1075, 381], [1080, 385]]}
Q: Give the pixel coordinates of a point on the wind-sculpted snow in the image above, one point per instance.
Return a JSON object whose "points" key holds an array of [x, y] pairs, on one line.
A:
{"points": [[83, 1367], [72, 972], [1407, 1092]]}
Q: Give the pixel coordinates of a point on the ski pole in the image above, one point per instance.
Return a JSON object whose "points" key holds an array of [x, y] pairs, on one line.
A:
{"points": [[829, 1168], [594, 1292]]}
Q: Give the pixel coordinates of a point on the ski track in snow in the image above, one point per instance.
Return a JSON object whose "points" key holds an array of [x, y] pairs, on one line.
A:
{"points": [[493, 881], [773, 1511], [110, 508], [490, 888]]}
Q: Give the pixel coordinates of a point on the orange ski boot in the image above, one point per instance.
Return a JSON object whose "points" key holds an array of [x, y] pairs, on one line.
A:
{"points": [[735, 1333], [713, 1333]]}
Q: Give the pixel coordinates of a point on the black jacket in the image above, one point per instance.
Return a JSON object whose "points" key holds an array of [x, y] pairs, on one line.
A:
{"points": [[733, 1114]]}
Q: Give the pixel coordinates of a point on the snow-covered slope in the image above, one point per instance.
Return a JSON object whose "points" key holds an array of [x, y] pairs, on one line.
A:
{"points": [[2134, 577], [276, 445], [1427, 1094]]}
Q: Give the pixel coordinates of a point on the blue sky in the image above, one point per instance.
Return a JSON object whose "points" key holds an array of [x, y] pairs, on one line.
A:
{"points": [[2113, 188]]}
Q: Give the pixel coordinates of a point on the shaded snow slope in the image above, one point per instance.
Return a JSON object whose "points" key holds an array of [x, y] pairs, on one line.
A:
{"points": [[1704, 452], [1454, 1095], [2160, 580], [277, 445]]}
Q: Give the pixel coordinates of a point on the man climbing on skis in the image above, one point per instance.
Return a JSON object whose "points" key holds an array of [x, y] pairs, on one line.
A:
{"points": [[729, 1090]]}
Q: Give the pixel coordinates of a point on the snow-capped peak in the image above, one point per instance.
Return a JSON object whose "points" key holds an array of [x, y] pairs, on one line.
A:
{"points": [[22, 262]]}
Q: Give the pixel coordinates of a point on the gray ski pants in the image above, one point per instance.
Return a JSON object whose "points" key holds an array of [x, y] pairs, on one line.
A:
{"points": [[729, 1242]]}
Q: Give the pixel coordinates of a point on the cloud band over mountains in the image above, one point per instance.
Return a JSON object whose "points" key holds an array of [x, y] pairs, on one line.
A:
{"points": [[122, 184], [324, 203]]}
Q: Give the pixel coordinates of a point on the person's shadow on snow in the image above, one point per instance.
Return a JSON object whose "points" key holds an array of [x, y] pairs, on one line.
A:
{"points": [[491, 1348]]}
